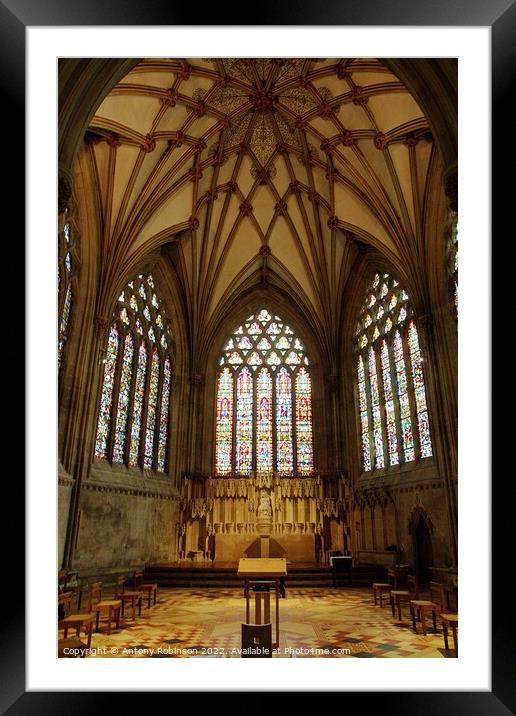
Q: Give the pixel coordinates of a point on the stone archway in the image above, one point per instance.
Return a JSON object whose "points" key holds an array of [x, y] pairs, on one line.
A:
{"points": [[421, 528]]}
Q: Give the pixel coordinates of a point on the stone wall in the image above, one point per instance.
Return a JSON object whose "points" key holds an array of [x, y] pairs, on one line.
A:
{"points": [[64, 494], [126, 520], [392, 509]]}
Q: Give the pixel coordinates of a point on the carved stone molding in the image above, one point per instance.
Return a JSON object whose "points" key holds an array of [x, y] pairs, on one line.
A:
{"points": [[193, 223], [170, 98], [380, 141], [125, 490], [149, 144], [347, 138], [101, 323], [358, 96]]}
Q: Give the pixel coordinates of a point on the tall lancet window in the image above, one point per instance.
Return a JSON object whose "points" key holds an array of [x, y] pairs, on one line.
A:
{"points": [[392, 412], [264, 401], [66, 273], [453, 258], [133, 419]]}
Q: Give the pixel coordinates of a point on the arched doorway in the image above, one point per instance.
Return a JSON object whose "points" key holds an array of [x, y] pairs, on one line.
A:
{"points": [[423, 553]]}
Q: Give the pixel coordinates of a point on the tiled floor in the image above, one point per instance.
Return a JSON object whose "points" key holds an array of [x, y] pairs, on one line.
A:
{"points": [[313, 623]]}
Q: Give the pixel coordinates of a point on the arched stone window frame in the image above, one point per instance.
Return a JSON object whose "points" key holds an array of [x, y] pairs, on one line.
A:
{"points": [[452, 261], [235, 370], [67, 278], [371, 331], [148, 397]]}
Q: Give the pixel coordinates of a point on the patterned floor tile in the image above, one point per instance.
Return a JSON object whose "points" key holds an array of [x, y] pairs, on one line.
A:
{"points": [[326, 623]]}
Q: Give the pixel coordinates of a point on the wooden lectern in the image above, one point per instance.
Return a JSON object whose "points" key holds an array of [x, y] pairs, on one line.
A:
{"points": [[257, 572]]}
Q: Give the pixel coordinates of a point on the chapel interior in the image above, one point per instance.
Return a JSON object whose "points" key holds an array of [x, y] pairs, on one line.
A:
{"points": [[257, 356]]}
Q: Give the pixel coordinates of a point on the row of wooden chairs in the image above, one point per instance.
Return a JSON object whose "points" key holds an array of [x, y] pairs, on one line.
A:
{"points": [[96, 606], [419, 608]]}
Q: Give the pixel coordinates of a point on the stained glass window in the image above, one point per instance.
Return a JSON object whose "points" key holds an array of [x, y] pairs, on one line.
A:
{"points": [[416, 364], [224, 438], [402, 385], [375, 405], [244, 422], [264, 373], [133, 420], [453, 258], [392, 439], [104, 421], [66, 273], [285, 457], [264, 422], [163, 417], [391, 404], [151, 411], [364, 418], [304, 422], [123, 400]]}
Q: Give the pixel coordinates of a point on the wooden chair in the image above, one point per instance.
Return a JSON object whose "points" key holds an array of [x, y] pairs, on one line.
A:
{"points": [[451, 621], [380, 587], [404, 596], [74, 647], [150, 588], [79, 620], [97, 605], [419, 608], [70, 582], [128, 595]]}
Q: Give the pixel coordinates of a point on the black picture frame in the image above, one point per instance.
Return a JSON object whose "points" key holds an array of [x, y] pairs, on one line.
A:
{"points": [[500, 15]]}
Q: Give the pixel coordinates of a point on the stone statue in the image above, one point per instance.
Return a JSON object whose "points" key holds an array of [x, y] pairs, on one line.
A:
{"points": [[264, 508]]}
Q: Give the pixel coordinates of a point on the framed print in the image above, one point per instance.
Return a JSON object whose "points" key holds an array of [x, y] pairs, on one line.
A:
{"points": [[227, 415]]}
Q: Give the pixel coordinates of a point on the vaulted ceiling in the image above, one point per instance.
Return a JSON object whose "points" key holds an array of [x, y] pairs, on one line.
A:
{"points": [[262, 167]]}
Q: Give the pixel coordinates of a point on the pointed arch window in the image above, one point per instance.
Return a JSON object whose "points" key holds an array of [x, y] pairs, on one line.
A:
{"points": [[133, 419], [66, 276], [453, 259], [264, 401], [390, 391]]}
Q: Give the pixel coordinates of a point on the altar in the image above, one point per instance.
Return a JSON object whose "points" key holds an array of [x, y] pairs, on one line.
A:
{"points": [[295, 548]]}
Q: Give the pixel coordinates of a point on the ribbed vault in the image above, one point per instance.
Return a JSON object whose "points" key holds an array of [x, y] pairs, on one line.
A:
{"points": [[262, 170]]}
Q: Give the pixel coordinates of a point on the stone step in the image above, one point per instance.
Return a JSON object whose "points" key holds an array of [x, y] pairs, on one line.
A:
{"points": [[297, 576]]}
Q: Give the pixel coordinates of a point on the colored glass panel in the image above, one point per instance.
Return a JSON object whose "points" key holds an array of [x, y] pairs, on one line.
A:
{"points": [[151, 411], [138, 405], [244, 422], [244, 342], [418, 381], [224, 430], [164, 413], [392, 440], [123, 400], [263, 340], [364, 419], [304, 422], [284, 455], [402, 387], [379, 461], [63, 325], [104, 419], [264, 422]]}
